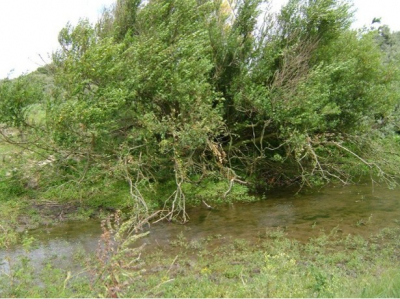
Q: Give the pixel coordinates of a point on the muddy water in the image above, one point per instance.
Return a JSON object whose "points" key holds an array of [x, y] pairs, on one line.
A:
{"points": [[362, 210], [357, 210]]}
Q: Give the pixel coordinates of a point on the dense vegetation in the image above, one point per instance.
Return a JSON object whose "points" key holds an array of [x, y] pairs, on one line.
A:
{"points": [[165, 103]]}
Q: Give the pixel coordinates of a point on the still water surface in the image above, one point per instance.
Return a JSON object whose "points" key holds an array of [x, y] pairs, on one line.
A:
{"points": [[357, 210]]}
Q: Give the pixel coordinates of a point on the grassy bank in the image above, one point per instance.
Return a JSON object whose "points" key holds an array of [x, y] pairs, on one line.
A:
{"points": [[38, 191], [275, 266]]}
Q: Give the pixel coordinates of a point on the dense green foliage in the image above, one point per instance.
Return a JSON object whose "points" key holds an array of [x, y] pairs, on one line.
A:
{"points": [[175, 96], [161, 104]]}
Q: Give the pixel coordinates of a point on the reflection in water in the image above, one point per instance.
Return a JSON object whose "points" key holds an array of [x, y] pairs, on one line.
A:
{"points": [[360, 210], [57, 244]]}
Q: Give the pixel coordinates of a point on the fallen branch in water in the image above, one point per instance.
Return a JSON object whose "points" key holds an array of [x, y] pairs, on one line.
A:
{"points": [[207, 205]]}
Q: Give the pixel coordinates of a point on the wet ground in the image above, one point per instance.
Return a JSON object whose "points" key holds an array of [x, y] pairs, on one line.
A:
{"points": [[357, 210]]}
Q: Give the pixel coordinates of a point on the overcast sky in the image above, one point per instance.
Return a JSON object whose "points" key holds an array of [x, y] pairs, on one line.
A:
{"points": [[30, 27]]}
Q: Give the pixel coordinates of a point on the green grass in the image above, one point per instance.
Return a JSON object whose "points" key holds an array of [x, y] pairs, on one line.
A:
{"points": [[274, 266], [280, 267], [7, 151]]}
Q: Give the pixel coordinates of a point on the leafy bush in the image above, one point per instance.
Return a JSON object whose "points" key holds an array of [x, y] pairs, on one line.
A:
{"points": [[166, 91]]}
